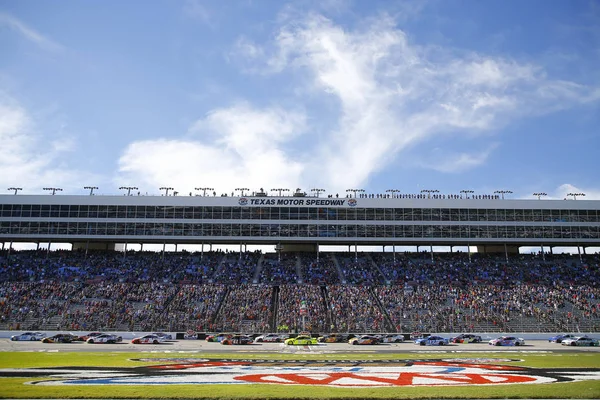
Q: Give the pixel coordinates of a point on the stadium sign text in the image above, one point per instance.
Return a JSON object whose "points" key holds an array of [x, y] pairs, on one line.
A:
{"points": [[261, 201]]}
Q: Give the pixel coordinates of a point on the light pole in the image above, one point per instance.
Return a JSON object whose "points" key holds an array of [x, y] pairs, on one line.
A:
{"points": [[429, 192], [575, 195], [317, 191], [467, 192], [128, 188], [54, 190], [166, 189], [503, 192], [393, 192], [280, 190], [242, 190], [91, 189], [16, 189], [204, 189], [355, 191], [540, 194]]}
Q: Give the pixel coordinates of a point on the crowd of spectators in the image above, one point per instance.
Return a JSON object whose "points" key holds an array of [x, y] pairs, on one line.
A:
{"points": [[318, 270], [238, 268], [277, 269], [215, 291], [354, 309], [301, 307], [359, 270], [246, 308]]}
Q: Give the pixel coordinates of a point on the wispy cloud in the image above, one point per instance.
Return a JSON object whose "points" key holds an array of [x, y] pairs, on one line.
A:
{"points": [[29, 33], [198, 10], [29, 159], [228, 148], [448, 161], [391, 94]]}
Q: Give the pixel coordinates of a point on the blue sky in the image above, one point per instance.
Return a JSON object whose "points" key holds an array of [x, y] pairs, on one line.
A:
{"points": [[334, 94]]}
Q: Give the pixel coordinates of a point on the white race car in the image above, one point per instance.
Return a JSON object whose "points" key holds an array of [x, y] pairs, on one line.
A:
{"points": [[29, 336], [507, 341], [270, 338], [148, 339], [391, 338], [105, 338], [580, 341]]}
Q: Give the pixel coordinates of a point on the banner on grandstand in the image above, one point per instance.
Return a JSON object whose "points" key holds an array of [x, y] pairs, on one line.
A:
{"points": [[262, 201]]}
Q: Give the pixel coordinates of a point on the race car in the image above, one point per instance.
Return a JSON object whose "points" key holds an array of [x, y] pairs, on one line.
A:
{"points": [[60, 338], [432, 341], [333, 338], [218, 337], [84, 338], [580, 341], [148, 339], [237, 339], [507, 341], [302, 340], [391, 338], [466, 338], [364, 339], [105, 338], [29, 336], [165, 336], [561, 337], [269, 338]]}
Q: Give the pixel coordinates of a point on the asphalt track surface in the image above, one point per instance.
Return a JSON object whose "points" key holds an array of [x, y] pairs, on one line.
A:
{"points": [[202, 346]]}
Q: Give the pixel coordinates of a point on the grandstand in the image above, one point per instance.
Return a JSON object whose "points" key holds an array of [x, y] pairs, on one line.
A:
{"points": [[496, 289]]}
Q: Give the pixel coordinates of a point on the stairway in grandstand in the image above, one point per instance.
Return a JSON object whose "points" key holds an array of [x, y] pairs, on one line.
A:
{"points": [[337, 267], [374, 265], [274, 308], [259, 266], [389, 325], [299, 269], [220, 266]]}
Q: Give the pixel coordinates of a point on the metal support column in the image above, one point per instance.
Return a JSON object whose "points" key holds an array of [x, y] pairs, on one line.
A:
{"points": [[543, 254]]}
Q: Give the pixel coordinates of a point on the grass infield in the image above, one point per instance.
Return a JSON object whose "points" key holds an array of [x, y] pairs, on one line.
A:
{"points": [[18, 387]]}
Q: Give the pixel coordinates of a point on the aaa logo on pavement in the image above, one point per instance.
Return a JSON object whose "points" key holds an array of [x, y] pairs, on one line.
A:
{"points": [[330, 373]]}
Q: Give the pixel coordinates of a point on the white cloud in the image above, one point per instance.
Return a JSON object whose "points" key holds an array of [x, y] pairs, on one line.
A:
{"points": [[392, 94], [447, 161], [230, 148], [29, 159], [28, 33]]}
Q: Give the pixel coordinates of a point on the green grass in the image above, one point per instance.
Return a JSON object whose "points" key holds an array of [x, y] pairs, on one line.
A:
{"points": [[16, 387]]}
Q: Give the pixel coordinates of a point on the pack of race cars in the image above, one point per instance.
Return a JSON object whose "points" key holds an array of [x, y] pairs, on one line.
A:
{"points": [[306, 339]]}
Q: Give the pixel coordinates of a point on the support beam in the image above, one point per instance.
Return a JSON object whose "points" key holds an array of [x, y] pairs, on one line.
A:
{"points": [[543, 253], [469, 251]]}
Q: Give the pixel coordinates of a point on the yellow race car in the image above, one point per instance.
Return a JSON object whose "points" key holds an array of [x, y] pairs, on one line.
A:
{"points": [[302, 340]]}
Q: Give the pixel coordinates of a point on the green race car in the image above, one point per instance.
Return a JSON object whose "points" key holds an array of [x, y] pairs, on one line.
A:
{"points": [[302, 340]]}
